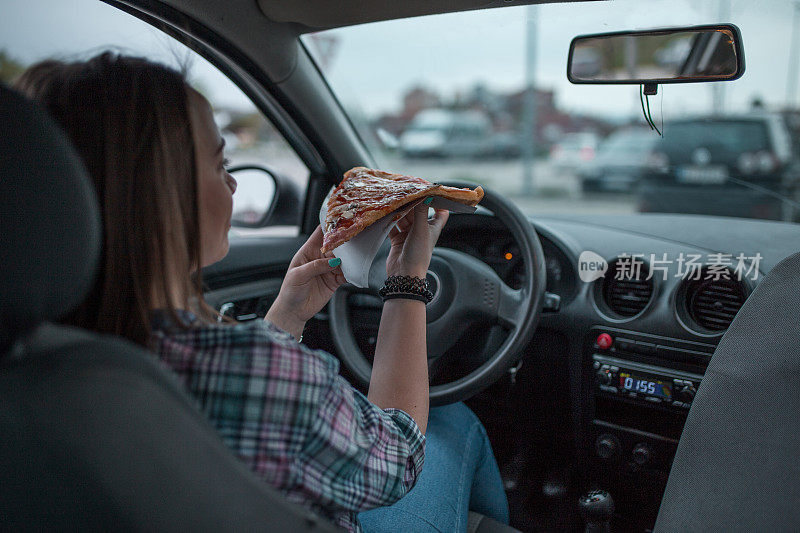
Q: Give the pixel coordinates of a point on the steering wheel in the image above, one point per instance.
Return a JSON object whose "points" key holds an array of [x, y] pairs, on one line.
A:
{"points": [[466, 292]]}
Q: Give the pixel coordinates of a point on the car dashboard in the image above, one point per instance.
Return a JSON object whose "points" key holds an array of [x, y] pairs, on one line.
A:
{"points": [[613, 369]]}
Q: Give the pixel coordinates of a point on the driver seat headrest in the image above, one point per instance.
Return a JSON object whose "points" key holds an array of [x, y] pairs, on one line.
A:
{"points": [[50, 218]]}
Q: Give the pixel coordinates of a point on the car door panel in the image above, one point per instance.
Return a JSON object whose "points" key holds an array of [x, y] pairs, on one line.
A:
{"points": [[249, 279], [250, 276]]}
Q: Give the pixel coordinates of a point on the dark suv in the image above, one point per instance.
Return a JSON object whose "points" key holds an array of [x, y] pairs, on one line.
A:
{"points": [[749, 158]]}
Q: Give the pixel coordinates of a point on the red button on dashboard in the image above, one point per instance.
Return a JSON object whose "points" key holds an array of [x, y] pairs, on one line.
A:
{"points": [[604, 341]]}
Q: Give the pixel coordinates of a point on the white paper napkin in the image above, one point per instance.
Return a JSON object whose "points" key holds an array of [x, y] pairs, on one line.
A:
{"points": [[358, 253]]}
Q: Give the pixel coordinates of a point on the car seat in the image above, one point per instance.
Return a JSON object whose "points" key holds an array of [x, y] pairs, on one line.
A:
{"points": [[96, 434], [737, 467]]}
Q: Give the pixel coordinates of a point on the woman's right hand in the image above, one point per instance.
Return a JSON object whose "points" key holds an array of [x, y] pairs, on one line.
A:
{"points": [[400, 369], [413, 239]]}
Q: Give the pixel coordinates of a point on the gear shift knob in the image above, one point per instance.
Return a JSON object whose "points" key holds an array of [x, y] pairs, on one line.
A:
{"points": [[597, 508]]}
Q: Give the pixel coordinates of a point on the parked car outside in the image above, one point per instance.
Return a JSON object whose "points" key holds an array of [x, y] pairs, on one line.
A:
{"points": [[574, 150], [748, 156], [622, 159], [443, 133]]}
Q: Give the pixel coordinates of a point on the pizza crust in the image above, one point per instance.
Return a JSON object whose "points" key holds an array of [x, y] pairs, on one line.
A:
{"points": [[365, 195]]}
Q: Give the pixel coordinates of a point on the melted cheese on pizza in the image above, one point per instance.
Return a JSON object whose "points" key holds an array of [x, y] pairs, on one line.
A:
{"points": [[368, 190]]}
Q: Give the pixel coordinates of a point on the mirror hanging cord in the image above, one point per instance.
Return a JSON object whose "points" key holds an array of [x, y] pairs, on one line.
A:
{"points": [[645, 91]]}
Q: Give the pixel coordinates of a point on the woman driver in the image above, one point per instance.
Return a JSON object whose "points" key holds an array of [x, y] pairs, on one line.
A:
{"points": [[155, 155]]}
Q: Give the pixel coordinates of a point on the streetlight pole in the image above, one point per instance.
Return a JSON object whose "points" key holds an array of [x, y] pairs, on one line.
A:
{"points": [[791, 72], [528, 129]]}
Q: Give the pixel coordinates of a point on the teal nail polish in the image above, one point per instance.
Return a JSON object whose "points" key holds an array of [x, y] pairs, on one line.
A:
{"points": [[428, 200], [335, 262]]}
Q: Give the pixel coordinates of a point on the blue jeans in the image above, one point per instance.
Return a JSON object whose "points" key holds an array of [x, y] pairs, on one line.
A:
{"points": [[460, 474]]}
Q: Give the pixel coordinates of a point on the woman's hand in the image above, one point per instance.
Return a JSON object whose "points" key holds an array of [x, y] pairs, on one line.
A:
{"points": [[309, 283], [413, 239]]}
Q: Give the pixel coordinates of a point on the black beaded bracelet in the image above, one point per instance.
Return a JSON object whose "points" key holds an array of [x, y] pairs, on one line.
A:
{"points": [[406, 287], [406, 296]]}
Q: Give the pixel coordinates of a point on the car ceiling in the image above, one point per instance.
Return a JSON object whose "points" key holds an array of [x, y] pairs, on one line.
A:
{"points": [[317, 15]]}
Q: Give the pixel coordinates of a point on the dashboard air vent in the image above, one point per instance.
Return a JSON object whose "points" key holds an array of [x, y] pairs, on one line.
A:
{"points": [[712, 304], [629, 295]]}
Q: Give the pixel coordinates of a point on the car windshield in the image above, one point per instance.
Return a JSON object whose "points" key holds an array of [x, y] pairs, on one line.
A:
{"points": [[555, 147]]}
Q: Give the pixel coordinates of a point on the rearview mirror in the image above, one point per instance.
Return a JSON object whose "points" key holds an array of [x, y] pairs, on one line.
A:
{"points": [[671, 55]]}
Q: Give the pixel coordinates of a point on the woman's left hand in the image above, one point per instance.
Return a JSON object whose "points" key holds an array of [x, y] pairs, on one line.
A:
{"points": [[308, 285]]}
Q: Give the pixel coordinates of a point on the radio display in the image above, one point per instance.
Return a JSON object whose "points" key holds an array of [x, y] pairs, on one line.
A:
{"points": [[645, 384]]}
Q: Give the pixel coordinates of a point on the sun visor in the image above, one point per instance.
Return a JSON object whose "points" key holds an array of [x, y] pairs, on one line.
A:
{"points": [[323, 14]]}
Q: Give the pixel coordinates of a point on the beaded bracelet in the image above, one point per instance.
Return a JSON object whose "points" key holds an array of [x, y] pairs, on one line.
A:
{"points": [[406, 296], [406, 287]]}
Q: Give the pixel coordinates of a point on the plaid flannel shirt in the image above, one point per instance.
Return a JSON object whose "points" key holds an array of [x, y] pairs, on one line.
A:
{"points": [[286, 412]]}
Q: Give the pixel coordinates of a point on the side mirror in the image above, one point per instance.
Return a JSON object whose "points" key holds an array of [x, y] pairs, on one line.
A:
{"points": [[670, 55], [264, 198]]}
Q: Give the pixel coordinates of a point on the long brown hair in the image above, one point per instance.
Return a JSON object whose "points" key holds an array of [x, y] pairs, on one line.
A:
{"points": [[129, 119]]}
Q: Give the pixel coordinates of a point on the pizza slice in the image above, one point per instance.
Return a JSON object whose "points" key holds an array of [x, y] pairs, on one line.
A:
{"points": [[366, 195]]}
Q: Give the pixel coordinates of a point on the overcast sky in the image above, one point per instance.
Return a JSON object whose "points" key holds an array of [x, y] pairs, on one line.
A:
{"points": [[374, 64], [454, 51]]}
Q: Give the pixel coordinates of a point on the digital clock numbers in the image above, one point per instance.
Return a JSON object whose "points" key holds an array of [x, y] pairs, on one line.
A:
{"points": [[644, 384]]}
